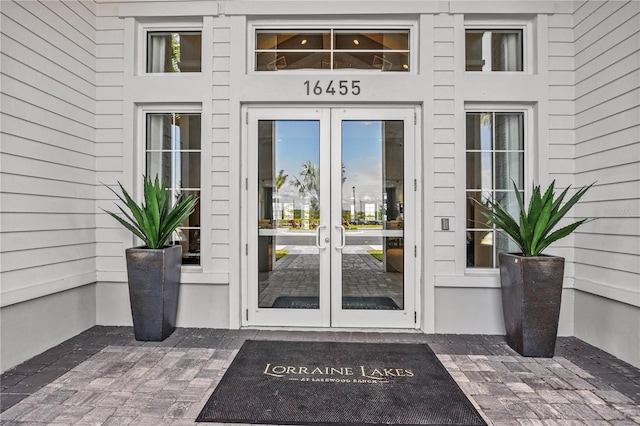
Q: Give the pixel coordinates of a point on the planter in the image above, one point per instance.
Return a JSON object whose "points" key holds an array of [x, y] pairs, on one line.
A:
{"points": [[154, 279], [531, 295]]}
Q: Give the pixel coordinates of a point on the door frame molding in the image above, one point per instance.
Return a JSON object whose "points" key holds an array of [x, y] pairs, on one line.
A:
{"points": [[246, 194]]}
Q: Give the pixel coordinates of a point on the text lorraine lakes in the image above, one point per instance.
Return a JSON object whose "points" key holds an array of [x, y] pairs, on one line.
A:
{"points": [[357, 374]]}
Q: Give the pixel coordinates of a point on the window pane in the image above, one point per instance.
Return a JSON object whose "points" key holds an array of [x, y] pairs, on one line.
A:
{"points": [[353, 40], [509, 168], [269, 40], [372, 60], [504, 244], [493, 50], [273, 61], [474, 218], [509, 131], [506, 51], [188, 233], [479, 131], [480, 249], [508, 200], [174, 52], [173, 131], [473, 51], [479, 170], [176, 169]]}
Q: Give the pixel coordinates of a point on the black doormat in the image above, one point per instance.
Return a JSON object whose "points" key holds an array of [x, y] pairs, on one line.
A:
{"points": [[348, 302], [335, 383]]}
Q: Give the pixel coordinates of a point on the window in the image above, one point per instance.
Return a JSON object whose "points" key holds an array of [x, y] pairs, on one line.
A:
{"points": [[173, 151], [383, 50], [173, 52], [495, 160], [493, 50]]}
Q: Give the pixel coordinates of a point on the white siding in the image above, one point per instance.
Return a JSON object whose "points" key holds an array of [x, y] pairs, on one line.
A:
{"points": [[444, 144], [221, 196], [607, 122], [111, 152], [48, 153], [607, 150]]}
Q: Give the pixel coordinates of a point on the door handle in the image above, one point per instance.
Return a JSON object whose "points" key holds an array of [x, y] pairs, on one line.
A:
{"points": [[318, 236], [344, 237]]}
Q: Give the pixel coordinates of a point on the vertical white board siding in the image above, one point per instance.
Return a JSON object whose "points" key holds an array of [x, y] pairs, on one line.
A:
{"points": [[48, 152], [607, 119], [220, 146], [444, 143], [561, 95], [110, 150]]}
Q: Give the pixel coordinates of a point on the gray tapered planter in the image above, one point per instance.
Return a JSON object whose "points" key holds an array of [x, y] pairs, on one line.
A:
{"points": [[154, 279], [531, 296]]}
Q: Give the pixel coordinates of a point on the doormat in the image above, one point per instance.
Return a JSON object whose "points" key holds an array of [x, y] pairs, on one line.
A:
{"points": [[348, 302], [277, 382]]}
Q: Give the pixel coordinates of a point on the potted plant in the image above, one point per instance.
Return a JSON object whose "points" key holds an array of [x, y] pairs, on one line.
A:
{"points": [[531, 283], [153, 269]]}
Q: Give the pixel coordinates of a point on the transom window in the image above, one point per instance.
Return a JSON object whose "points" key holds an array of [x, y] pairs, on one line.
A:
{"points": [[173, 151], [174, 52], [495, 160], [493, 50], [383, 50]]}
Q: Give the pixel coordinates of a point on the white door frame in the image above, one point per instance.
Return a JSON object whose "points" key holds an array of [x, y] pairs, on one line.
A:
{"points": [[330, 130]]}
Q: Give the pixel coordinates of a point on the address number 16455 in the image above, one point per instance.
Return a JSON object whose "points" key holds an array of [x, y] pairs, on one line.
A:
{"points": [[342, 87]]}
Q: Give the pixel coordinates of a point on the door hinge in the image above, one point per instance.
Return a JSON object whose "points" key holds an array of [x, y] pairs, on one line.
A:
{"points": [[415, 251], [415, 118], [246, 183], [246, 117], [247, 314], [415, 317], [246, 249], [415, 184]]}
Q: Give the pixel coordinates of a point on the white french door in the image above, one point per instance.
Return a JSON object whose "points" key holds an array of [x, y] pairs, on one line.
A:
{"points": [[331, 217]]}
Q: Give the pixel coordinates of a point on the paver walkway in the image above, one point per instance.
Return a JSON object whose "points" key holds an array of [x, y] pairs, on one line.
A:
{"points": [[298, 274], [104, 377]]}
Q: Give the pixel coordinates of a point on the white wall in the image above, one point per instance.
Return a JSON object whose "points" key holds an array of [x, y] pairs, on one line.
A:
{"points": [[48, 172], [122, 90], [607, 151], [69, 122], [31, 327]]}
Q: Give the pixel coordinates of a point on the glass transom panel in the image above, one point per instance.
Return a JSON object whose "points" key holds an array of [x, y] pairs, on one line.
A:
{"points": [[383, 50]]}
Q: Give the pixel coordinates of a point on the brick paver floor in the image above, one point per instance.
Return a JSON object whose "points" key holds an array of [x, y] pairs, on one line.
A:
{"points": [[104, 377], [298, 274]]}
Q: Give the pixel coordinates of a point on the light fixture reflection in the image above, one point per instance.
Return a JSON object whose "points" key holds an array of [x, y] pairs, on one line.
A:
{"points": [[356, 41], [405, 66], [304, 41], [487, 240]]}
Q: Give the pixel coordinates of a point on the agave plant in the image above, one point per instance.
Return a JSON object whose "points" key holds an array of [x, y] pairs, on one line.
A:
{"points": [[153, 221], [533, 232]]}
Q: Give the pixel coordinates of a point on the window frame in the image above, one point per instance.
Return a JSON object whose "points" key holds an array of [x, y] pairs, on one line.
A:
{"points": [[526, 26], [141, 164], [302, 26], [145, 27], [529, 131]]}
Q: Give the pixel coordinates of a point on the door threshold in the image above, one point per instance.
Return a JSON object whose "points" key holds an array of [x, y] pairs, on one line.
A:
{"points": [[339, 329]]}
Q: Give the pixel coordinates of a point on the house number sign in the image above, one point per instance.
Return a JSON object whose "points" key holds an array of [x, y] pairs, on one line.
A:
{"points": [[332, 87]]}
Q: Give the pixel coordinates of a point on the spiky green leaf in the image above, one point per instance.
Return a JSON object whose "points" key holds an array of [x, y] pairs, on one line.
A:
{"points": [[532, 233]]}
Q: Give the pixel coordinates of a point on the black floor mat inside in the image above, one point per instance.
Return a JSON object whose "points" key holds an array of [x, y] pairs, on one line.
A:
{"points": [[348, 302], [282, 382]]}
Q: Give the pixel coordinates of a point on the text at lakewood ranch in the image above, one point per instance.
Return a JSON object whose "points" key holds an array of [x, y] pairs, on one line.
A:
{"points": [[342, 374]]}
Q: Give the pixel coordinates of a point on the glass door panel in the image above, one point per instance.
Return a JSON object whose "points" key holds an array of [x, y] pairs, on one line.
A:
{"points": [[372, 211], [373, 284], [288, 214]]}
